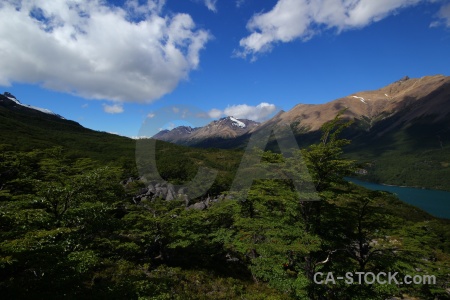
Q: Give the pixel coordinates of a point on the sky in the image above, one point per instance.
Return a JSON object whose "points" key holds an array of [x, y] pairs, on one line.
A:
{"points": [[114, 65]]}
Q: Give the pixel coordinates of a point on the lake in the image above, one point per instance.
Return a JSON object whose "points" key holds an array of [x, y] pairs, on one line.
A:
{"points": [[434, 202]]}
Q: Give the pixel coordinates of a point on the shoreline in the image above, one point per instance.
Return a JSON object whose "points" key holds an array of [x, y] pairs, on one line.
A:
{"points": [[402, 186]]}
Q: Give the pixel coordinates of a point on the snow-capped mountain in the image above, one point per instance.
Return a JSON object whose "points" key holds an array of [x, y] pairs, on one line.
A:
{"points": [[14, 100], [178, 135], [224, 128], [237, 123], [377, 112]]}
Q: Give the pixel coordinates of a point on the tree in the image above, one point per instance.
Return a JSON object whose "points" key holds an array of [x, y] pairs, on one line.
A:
{"points": [[57, 209], [325, 159]]}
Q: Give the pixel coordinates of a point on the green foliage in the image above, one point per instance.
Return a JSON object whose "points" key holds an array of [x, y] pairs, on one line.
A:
{"points": [[417, 155], [69, 229], [325, 160]]}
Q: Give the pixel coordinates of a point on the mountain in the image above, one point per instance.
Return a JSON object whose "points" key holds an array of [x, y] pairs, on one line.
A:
{"points": [[222, 129], [400, 134], [405, 101], [409, 98], [178, 135], [9, 101], [25, 128]]}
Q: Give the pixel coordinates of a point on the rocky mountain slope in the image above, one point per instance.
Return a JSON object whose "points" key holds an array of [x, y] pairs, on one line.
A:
{"points": [[400, 134], [405, 100], [411, 98], [224, 128], [178, 135]]}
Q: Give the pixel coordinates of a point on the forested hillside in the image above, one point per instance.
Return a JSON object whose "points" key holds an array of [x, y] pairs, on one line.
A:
{"points": [[400, 133], [72, 227]]}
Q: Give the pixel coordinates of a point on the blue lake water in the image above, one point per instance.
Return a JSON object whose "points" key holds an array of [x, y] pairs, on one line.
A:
{"points": [[434, 202]]}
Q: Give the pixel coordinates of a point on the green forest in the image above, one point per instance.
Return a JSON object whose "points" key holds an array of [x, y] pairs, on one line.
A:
{"points": [[72, 227]]}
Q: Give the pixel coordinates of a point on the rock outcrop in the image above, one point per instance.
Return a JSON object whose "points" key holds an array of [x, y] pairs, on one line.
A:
{"points": [[169, 192]]}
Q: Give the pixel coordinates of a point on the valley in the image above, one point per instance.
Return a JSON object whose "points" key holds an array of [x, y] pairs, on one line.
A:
{"points": [[400, 133], [225, 150], [78, 219]]}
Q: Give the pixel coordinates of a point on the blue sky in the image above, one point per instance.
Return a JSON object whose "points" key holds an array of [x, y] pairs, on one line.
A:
{"points": [[111, 65]]}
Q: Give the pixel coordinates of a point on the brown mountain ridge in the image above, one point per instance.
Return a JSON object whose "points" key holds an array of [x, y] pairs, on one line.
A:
{"points": [[407, 99]]}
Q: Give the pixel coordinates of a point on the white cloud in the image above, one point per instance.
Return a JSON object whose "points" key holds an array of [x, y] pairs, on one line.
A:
{"points": [[302, 19], [239, 3], [113, 109], [260, 112], [444, 15], [215, 113], [151, 115], [98, 51], [211, 5]]}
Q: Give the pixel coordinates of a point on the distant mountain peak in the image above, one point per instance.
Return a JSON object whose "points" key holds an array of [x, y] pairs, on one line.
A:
{"points": [[236, 122], [9, 95], [405, 78], [402, 102], [13, 98], [223, 128]]}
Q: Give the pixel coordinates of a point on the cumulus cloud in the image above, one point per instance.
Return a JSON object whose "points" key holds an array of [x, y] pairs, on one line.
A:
{"points": [[215, 113], [260, 112], [96, 50], [113, 109], [302, 19]]}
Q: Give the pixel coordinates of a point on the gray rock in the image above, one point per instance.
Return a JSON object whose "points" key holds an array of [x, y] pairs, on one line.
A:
{"points": [[231, 258], [186, 199], [164, 192], [143, 191], [171, 188], [198, 206], [170, 195]]}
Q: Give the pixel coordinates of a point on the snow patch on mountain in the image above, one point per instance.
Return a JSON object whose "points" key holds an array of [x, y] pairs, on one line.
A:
{"points": [[236, 122], [14, 99], [360, 98], [44, 110]]}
